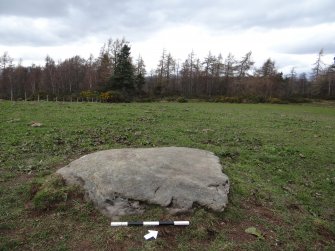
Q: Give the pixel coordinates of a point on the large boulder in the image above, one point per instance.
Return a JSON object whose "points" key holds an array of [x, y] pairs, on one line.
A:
{"points": [[119, 181]]}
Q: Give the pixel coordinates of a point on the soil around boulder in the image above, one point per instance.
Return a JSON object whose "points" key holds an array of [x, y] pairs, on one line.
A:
{"points": [[118, 181]]}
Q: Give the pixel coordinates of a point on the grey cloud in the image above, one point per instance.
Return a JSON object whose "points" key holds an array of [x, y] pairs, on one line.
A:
{"points": [[312, 44], [267, 14], [75, 20], [30, 38], [313, 48], [34, 8], [78, 19]]}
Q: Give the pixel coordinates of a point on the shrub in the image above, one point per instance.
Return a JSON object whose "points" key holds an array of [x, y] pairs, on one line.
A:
{"points": [[233, 99], [218, 99], [170, 99], [298, 100], [112, 97], [88, 94], [147, 100], [223, 99], [181, 100], [276, 101], [256, 99]]}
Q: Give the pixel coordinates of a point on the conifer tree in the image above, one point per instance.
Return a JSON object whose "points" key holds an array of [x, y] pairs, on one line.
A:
{"points": [[123, 78]]}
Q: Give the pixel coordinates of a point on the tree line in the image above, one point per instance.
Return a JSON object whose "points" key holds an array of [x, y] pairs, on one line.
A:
{"points": [[115, 76]]}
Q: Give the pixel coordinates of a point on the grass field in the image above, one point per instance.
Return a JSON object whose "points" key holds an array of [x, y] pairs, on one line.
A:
{"points": [[280, 160]]}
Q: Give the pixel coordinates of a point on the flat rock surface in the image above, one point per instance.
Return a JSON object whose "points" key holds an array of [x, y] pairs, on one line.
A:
{"points": [[119, 181]]}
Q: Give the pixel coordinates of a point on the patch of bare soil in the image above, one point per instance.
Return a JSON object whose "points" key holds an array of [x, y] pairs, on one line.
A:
{"points": [[236, 230], [83, 245]]}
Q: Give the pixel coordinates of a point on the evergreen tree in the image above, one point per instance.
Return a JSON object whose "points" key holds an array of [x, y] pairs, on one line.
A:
{"points": [[123, 78], [139, 82], [140, 74]]}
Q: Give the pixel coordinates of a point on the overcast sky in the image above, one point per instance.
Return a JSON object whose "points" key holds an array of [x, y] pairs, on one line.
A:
{"points": [[291, 32]]}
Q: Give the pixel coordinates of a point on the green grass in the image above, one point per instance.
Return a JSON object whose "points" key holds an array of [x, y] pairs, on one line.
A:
{"points": [[279, 158]]}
